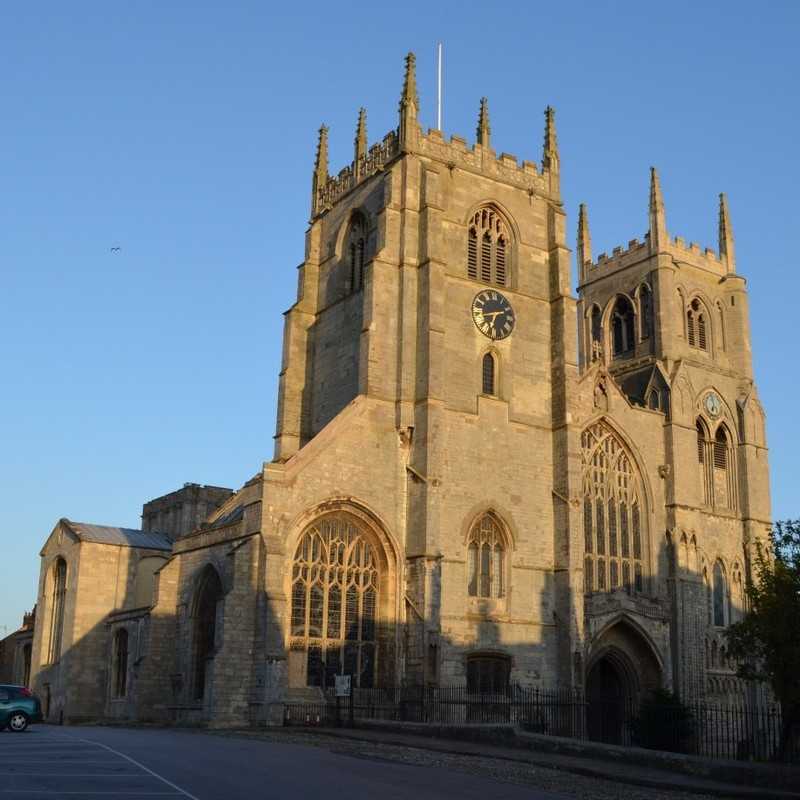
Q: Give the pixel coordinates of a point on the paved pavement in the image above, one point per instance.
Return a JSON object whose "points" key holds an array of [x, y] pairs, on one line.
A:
{"points": [[50, 763]]}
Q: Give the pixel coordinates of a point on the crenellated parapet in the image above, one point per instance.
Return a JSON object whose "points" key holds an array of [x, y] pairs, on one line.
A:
{"points": [[657, 241], [356, 172], [454, 153]]}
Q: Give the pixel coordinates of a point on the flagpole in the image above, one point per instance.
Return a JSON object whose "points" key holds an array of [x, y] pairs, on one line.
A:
{"points": [[439, 86]]}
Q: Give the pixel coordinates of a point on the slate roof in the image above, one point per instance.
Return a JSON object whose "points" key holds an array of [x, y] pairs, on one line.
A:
{"points": [[123, 537]]}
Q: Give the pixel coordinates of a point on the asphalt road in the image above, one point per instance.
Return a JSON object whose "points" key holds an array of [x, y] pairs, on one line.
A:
{"points": [[50, 763]]}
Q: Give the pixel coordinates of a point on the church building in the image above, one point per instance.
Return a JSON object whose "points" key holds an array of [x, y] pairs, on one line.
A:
{"points": [[478, 478]]}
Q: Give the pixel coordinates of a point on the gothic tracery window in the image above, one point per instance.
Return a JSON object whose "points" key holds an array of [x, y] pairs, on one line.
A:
{"points": [[612, 516], [486, 558], [335, 589], [488, 251]]}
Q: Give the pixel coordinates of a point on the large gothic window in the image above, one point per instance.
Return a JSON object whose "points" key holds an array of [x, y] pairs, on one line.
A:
{"points": [[209, 595], [486, 556], [335, 587], [57, 610], [613, 518], [622, 327], [488, 250]]}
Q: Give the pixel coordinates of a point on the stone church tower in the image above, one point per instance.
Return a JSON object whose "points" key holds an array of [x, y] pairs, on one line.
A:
{"points": [[477, 478]]}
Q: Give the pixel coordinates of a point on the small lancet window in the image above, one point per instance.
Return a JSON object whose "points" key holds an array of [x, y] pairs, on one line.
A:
{"points": [[701, 443], [120, 663], [721, 450], [488, 374], [646, 311], [356, 252], [488, 249]]}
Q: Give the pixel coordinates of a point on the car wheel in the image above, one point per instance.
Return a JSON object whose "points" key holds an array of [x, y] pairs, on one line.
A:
{"points": [[18, 722]]}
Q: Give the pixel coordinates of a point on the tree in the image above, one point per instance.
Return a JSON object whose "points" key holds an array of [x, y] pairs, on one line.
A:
{"points": [[663, 723], [766, 642]]}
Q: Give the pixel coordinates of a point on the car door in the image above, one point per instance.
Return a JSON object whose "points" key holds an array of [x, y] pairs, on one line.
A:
{"points": [[5, 707]]}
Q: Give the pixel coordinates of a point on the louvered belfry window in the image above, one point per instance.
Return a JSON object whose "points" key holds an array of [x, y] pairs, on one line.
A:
{"points": [[612, 519], [697, 326], [488, 251]]}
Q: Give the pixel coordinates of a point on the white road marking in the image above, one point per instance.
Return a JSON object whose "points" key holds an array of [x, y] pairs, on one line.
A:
{"points": [[141, 766]]}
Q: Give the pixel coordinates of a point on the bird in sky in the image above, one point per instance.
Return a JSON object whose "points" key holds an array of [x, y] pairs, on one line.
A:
{"points": [[115, 249]]}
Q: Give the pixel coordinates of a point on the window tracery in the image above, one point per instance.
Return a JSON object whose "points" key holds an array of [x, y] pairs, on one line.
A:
{"points": [[335, 592], [486, 555], [488, 251], [612, 518]]}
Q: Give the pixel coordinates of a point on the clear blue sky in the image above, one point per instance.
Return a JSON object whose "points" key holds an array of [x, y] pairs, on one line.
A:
{"points": [[184, 133]]}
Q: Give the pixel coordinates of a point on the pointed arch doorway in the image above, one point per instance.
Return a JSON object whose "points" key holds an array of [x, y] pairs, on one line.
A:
{"points": [[621, 669]]}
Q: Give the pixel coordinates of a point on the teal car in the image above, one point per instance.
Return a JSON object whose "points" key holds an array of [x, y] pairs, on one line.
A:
{"points": [[18, 708]]}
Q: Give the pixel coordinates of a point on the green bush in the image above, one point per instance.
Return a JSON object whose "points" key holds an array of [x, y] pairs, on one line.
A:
{"points": [[663, 723]]}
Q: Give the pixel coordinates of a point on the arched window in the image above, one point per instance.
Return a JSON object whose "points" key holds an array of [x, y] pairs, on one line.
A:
{"points": [[120, 664], [724, 483], [612, 519], [208, 597], [697, 326], [701, 442], [356, 251], [488, 249], [706, 477], [646, 310], [596, 331], [335, 593], [488, 374], [622, 327], [720, 449], [720, 596], [486, 555], [654, 400], [737, 595], [57, 609]]}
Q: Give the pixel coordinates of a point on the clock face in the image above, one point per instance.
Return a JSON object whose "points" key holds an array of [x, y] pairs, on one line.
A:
{"points": [[713, 404], [492, 314]]}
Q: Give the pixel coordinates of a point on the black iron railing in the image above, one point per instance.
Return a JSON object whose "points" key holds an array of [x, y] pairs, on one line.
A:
{"points": [[741, 731]]}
